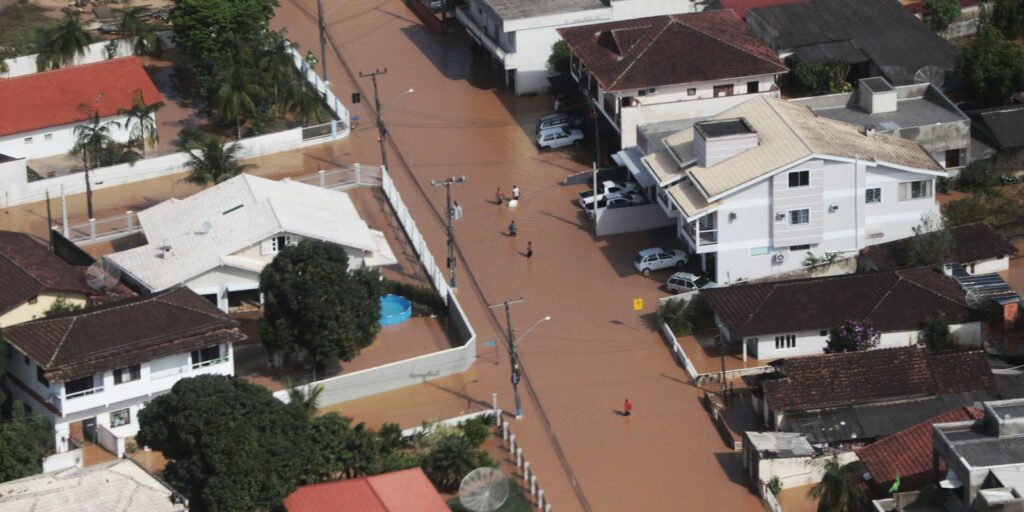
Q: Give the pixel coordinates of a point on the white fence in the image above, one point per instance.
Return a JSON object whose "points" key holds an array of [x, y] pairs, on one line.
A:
{"points": [[769, 499], [95, 52], [409, 371], [527, 475], [670, 338]]}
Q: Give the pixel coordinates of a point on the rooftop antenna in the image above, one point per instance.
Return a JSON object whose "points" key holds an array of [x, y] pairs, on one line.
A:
{"points": [[483, 490]]}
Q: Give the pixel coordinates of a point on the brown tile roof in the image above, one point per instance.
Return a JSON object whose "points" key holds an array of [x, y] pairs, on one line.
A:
{"points": [[908, 454], [972, 242], [28, 268], [891, 301], [668, 50], [831, 380], [122, 333]]}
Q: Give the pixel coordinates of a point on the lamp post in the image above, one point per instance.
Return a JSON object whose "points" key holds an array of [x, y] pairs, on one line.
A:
{"points": [[381, 129], [512, 348], [450, 215]]}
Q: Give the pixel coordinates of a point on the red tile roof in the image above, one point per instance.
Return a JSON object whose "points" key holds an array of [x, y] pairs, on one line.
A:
{"points": [[874, 376], [741, 6], [400, 491], [908, 453], [27, 268], [668, 50], [65, 96]]}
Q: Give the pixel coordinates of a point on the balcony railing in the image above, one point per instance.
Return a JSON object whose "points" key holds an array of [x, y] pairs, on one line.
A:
{"points": [[211, 362], [708, 237], [77, 394]]}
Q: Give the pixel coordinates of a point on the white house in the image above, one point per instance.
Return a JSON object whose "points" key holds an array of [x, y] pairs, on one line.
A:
{"points": [[32, 279], [518, 34], [89, 372], [41, 110], [665, 68], [757, 187], [793, 318], [217, 242]]}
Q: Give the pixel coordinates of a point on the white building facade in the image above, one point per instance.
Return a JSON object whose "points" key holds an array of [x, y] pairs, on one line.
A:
{"points": [[519, 34]]}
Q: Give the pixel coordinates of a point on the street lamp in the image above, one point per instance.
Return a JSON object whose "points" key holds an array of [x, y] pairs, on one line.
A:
{"points": [[382, 131], [513, 355], [532, 327], [450, 214]]}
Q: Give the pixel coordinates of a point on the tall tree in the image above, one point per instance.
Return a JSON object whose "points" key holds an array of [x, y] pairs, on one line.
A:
{"points": [[313, 301], [236, 98], [25, 438], [210, 161], [452, 459], [838, 491], [90, 141], [931, 244], [1008, 17], [141, 122], [341, 450], [232, 445], [992, 67], [59, 45], [140, 35], [942, 12]]}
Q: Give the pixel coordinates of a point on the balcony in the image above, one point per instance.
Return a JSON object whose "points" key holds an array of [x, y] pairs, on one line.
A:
{"points": [[86, 392], [480, 35], [211, 362]]}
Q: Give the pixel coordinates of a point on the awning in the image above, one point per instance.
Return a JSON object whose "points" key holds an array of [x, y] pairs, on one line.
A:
{"points": [[632, 159]]}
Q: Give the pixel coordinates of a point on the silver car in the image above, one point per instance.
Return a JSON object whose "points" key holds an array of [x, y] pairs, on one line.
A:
{"points": [[682, 282]]}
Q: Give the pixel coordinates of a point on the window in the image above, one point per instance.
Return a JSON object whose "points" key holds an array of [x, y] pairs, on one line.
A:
{"points": [[759, 251], [127, 374], [27, 362], [41, 378], [795, 248], [797, 217], [952, 158], [873, 196], [627, 101], [122, 417], [752, 87], [79, 387], [785, 341], [642, 92], [799, 179], [207, 356], [723, 90], [823, 333], [48, 136], [280, 242], [691, 91], [915, 189], [28, 140]]}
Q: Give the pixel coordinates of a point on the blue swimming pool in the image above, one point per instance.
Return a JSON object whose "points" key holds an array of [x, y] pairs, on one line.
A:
{"points": [[394, 309]]}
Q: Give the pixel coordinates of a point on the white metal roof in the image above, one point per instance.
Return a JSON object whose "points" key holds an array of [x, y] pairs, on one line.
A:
{"points": [[204, 231], [122, 486]]}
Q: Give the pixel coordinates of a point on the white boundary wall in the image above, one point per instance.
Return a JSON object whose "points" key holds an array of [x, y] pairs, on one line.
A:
{"points": [[412, 371], [95, 52]]}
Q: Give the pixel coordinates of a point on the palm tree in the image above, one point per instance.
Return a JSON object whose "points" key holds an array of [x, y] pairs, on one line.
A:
{"points": [[308, 401], [60, 44], [141, 122], [277, 69], [90, 141], [236, 97], [838, 490], [139, 34], [450, 461], [211, 162]]}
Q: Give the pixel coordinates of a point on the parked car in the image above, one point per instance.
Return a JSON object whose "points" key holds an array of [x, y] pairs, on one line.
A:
{"points": [[616, 200], [557, 120], [586, 198], [656, 258], [682, 282], [558, 137]]}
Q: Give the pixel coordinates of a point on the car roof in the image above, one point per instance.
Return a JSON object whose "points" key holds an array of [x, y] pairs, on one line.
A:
{"points": [[552, 130], [652, 250], [553, 115], [684, 275]]}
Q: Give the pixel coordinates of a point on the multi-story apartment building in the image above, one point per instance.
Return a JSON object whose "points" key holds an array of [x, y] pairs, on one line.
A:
{"points": [[91, 371]]}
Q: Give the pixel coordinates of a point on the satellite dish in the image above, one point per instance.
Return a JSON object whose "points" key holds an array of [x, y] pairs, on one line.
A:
{"points": [[930, 75], [102, 276], [483, 490]]}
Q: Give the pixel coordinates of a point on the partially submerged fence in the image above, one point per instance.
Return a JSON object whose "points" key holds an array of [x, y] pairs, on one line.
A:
{"points": [[528, 476]]}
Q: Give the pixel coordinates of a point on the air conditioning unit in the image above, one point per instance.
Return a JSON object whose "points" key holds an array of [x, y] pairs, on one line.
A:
{"points": [[779, 257]]}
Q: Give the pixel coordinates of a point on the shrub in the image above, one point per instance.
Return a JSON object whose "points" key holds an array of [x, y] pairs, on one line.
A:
{"points": [[679, 315], [936, 336], [476, 430], [942, 12], [559, 59], [61, 305], [812, 78], [775, 486], [977, 175], [425, 300], [852, 336], [993, 206]]}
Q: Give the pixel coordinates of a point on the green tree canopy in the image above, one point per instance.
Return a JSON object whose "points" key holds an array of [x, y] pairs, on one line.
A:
{"points": [[992, 67], [141, 122], [942, 12], [59, 45], [140, 34], [838, 490], [995, 206], [931, 244], [232, 446], [25, 438], [559, 59], [210, 161], [215, 34], [1008, 17], [313, 301], [935, 334]]}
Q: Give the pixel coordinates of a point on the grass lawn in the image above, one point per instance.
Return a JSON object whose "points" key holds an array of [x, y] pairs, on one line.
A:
{"points": [[20, 25], [517, 501]]}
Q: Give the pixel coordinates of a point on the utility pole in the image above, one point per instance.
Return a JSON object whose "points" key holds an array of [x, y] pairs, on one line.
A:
{"points": [[721, 354], [512, 350], [88, 184], [383, 132], [597, 134], [451, 215], [322, 24]]}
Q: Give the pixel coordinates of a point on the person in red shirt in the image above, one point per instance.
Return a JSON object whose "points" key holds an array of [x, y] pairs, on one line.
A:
{"points": [[628, 408]]}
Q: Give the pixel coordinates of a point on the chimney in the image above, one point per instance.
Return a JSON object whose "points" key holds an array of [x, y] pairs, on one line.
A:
{"points": [[876, 96], [165, 251], [718, 140]]}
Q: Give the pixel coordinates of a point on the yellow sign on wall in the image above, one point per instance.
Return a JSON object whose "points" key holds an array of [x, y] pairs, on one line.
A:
{"points": [[638, 304]]}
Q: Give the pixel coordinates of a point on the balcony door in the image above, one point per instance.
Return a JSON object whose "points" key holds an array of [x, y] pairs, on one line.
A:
{"points": [[723, 90]]}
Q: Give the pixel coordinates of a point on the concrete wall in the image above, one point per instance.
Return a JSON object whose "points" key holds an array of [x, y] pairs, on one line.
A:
{"points": [[95, 52], [978, 267], [798, 471], [59, 461], [26, 311], [633, 218]]}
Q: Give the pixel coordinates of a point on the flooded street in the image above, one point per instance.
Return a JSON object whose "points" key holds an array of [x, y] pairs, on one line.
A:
{"points": [[596, 351]]}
